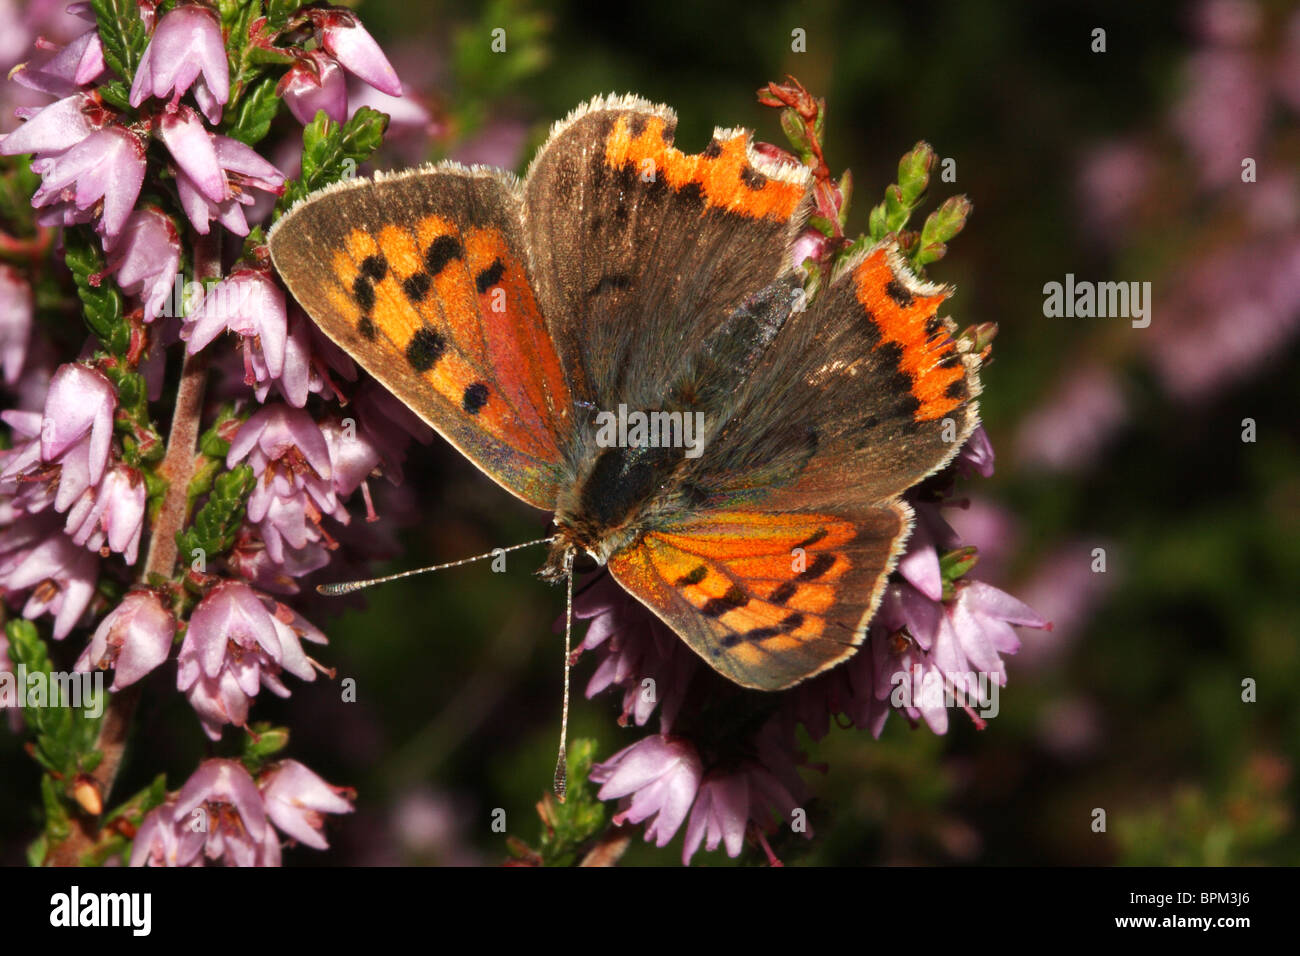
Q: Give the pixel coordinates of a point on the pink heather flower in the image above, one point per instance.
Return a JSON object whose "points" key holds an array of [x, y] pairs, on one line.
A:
{"points": [[634, 648], [295, 487], [976, 456], [220, 817], [721, 812], [234, 645], [297, 799], [315, 82], [106, 167], [811, 244], [110, 517], [661, 775], [15, 322], [146, 259], [390, 426], [51, 129], [133, 638], [194, 151], [35, 555], [158, 841], [244, 170], [353, 457], [186, 50], [249, 303], [1113, 179], [77, 430], [27, 485], [920, 563], [344, 38], [1223, 113], [63, 70]]}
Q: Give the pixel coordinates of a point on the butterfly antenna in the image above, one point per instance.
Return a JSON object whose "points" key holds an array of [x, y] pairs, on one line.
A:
{"points": [[347, 587], [561, 761]]}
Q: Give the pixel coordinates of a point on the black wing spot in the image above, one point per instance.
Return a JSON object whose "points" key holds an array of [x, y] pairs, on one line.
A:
{"points": [[610, 283], [713, 150], [475, 398], [424, 349], [364, 293], [416, 286], [374, 268], [734, 598], [441, 251], [821, 564], [366, 327], [791, 622], [752, 178], [692, 193], [636, 125], [956, 390], [694, 576], [816, 536], [490, 276], [898, 292], [783, 593]]}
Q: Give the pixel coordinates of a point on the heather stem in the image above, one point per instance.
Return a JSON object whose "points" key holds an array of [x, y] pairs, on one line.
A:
{"points": [[178, 467]]}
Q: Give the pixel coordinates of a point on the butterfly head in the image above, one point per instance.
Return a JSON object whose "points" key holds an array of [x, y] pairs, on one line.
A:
{"points": [[571, 552]]}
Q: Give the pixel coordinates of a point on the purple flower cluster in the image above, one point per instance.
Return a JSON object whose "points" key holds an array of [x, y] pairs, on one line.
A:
{"points": [[222, 815], [933, 643], [151, 175]]}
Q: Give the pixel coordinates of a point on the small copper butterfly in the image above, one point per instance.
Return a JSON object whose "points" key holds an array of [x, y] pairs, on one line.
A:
{"points": [[531, 321]]}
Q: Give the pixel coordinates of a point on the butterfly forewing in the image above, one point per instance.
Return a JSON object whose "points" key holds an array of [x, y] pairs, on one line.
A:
{"points": [[640, 250], [422, 277]]}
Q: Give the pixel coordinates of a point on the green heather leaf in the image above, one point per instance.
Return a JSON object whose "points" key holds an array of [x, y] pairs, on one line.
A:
{"points": [[214, 527], [101, 302], [122, 34], [331, 152], [253, 116]]}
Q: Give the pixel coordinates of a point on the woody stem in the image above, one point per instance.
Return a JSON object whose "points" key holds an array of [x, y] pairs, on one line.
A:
{"points": [[178, 467]]}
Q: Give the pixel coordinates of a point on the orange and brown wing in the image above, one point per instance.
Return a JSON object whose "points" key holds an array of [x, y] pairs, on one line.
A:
{"points": [[422, 278], [767, 599], [642, 250]]}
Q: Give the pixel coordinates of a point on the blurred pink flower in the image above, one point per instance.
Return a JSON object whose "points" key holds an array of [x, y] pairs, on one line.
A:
{"points": [[15, 322], [1068, 431]]}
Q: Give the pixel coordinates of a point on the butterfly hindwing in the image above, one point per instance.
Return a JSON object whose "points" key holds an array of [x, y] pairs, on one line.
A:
{"points": [[861, 396], [767, 598], [422, 277], [641, 250]]}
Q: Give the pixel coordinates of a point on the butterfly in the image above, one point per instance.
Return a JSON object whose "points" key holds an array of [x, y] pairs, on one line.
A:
{"points": [[522, 318]]}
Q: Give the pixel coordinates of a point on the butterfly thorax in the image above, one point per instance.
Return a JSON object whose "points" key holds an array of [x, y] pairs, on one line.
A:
{"points": [[611, 504]]}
